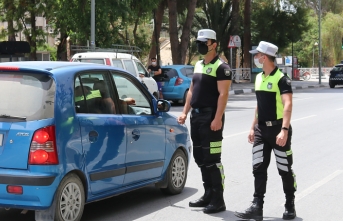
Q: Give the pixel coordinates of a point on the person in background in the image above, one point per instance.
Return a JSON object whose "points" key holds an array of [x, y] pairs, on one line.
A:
{"points": [[156, 70], [271, 131]]}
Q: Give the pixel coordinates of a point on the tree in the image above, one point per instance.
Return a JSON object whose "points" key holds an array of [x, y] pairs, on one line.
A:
{"points": [[179, 49]]}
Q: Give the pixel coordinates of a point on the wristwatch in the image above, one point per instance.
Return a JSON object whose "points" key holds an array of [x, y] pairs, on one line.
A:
{"points": [[284, 128]]}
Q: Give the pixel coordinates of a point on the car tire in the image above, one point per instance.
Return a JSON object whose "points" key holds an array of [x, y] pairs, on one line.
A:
{"points": [[70, 199], [184, 97], [331, 85], [176, 173]]}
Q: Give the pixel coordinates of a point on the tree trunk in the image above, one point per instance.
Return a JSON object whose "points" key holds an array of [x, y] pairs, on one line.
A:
{"points": [[61, 48], [173, 32], [247, 33], [33, 44], [159, 17], [235, 28], [186, 31], [9, 18]]}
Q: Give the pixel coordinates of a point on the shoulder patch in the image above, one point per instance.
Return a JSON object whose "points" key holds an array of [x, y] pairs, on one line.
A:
{"points": [[227, 72], [289, 82]]}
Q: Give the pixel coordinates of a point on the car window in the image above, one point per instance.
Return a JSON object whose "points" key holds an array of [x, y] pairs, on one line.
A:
{"points": [[127, 89], [141, 69], [93, 94], [338, 68], [117, 63], [27, 95], [188, 72], [169, 72], [95, 61], [129, 67]]}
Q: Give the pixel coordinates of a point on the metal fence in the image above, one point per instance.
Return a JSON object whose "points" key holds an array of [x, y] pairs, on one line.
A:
{"points": [[315, 71]]}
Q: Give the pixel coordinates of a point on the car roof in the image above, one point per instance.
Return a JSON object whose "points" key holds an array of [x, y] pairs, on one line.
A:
{"points": [[104, 55], [178, 66], [338, 65]]}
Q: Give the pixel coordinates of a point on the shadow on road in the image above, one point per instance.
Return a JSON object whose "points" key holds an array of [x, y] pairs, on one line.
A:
{"points": [[125, 207]]}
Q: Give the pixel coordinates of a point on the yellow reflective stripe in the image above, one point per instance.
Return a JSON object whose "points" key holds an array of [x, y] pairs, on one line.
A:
{"points": [[215, 150], [289, 152], [216, 144], [221, 169], [93, 94]]}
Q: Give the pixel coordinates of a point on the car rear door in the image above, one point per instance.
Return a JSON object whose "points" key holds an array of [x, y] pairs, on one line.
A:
{"points": [[102, 131], [26, 105], [145, 132]]}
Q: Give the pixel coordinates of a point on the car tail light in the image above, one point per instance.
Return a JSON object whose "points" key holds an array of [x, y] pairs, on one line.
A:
{"points": [[108, 61], [8, 68], [43, 149], [178, 81], [15, 189]]}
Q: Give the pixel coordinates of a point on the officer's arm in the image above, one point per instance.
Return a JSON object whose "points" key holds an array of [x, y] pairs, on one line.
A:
{"points": [[187, 106], [287, 110], [223, 89], [254, 122]]}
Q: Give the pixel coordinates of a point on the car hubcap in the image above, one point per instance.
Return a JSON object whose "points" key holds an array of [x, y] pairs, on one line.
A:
{"points": [[178, 172], [70, 202]]}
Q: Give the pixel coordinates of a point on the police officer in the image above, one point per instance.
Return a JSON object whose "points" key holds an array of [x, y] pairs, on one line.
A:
{"points": [[271, 130], [207, 96]]}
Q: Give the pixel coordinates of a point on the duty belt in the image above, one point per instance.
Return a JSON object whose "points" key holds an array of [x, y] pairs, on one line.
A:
{"points": [[270, 123], [202, 109]]}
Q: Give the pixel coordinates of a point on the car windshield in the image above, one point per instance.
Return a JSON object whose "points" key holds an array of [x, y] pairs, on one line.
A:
{"points": [[338, 68], [26, 96], [94, 61]]}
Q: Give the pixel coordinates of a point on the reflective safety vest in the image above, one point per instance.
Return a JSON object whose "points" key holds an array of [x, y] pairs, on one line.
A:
{"points": [[266, 86], [91, 95]]}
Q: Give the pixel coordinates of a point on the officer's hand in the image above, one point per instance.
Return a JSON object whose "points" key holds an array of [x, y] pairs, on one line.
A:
{"points": [[216, 124], [281, 138], [130, 101], [182, 118], [251, 136]]}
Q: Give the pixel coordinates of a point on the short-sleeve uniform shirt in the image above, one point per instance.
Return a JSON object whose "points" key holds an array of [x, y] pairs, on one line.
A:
{"points": [[206, 76]]}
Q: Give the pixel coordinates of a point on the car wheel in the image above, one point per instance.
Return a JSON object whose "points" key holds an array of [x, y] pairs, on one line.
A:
{"points": [[70, 198], [176, 174], [331, 85], [184, 98]]}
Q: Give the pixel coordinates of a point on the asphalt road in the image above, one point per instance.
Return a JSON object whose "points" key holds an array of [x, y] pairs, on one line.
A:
{"points": [[317, 144]]}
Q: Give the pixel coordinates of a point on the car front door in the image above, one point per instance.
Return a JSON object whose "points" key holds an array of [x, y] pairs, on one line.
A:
{"points": [[102, 131], [145, 132]]}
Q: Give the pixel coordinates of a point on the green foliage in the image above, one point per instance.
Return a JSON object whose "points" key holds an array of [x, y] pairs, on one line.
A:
{"points": [[280, 25]]}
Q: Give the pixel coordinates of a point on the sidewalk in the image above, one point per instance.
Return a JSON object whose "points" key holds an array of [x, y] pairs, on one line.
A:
{"points": [[244, 87]]}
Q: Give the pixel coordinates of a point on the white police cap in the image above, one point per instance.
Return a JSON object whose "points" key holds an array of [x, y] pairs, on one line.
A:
{"points": [[205, 34], [265, 48]]}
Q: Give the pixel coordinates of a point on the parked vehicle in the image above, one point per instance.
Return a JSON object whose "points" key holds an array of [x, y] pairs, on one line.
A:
{"points": [[124, 61], [336, 76], [176, 83], [67, 138]]}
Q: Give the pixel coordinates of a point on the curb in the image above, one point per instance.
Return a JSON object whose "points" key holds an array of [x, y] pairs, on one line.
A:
{"points": [[248, 91]]}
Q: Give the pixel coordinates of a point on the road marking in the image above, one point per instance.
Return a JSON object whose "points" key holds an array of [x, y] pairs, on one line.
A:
{"points": [[246, 132], [303, 99], [232, 135], [317, 185], [303, 118]]}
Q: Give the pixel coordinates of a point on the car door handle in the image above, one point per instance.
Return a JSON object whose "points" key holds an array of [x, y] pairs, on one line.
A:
{"points": [[93, 136], [135, 135]]}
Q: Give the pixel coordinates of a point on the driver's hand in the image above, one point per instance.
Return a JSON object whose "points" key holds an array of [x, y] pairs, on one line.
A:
{"points": [[130, 101]]}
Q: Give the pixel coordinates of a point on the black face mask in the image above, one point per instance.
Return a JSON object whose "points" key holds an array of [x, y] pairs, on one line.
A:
{"points": [[202, 48]]}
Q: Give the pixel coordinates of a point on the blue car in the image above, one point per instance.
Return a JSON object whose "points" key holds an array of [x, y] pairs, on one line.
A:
{"points": [[176, 83], [74, 133]]}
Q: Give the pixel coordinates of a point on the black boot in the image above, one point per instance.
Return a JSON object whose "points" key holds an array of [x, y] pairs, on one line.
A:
{"points": [[217, 203], [204, 200], [255, 211], [289, 209]]}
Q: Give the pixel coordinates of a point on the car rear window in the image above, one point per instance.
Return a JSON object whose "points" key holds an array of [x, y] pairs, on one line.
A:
{"points": [[188, 72], [169, 72], [31, 96], [338, 68], [93, 61]]}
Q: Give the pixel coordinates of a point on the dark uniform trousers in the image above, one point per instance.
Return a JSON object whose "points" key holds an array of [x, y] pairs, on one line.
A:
{"points": [[264, 143], [207, 147]]}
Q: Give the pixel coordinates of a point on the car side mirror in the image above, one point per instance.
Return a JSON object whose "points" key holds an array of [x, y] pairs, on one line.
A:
{"points": [[163, 105]]}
